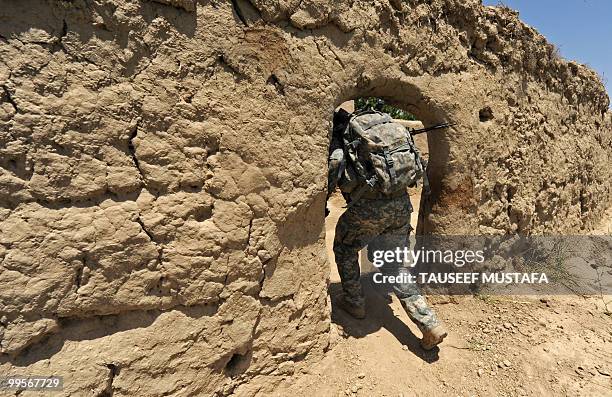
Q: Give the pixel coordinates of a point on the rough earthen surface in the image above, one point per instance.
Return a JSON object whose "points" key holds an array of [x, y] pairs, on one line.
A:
{"points": [[162, 171]]}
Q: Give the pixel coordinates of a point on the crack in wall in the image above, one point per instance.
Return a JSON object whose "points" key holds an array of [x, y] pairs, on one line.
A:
{"points": [[10, 100], [238, 12], [263, 264], [318, 47], [113, 371], [158, 246], [78, 277], [330, 49], [337, 57], [219, 298], [226, 63], [132, 150], [144, 229], [72, 326], [59, 45], [263, 272], [93, 201], [160, 253], [249, 234]]}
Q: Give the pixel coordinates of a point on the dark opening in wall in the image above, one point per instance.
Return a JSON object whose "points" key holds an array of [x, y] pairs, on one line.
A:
{"points": [[373, 102], [485, 114], [408, 105], [237, 364], [336, 203]]}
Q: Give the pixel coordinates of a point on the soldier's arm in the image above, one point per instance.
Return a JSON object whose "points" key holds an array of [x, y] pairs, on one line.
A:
{"points": [[336, 158], [336, 155], [410, 124]]}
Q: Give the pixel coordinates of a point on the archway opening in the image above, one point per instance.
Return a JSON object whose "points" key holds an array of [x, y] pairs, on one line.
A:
{"points": [[336, 202], [380, 296]]}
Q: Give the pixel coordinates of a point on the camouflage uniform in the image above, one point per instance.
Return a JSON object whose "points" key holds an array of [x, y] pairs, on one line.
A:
{"points": [[383, 224]]}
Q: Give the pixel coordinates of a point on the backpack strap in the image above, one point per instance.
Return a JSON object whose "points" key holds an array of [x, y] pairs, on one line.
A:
{"points": [[363, 189], [341, 168], [389, 161], [350, 145]]}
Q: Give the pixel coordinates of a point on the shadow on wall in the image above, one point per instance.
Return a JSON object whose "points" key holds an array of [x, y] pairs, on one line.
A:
{"points": [[75, 329]]}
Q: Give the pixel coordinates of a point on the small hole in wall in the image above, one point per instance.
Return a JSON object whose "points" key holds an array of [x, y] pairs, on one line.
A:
{"points": [[237, 364], [202, 213], [273, 80], [485, 114]]}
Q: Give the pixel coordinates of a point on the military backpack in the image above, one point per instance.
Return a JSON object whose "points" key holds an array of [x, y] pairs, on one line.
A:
{"points": [[381, 156]]}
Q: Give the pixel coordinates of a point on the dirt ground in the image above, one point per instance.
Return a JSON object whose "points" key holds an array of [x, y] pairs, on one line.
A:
{"points": [[497, 346]]}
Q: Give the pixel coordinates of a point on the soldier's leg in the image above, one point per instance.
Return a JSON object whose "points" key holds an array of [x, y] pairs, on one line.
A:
{"points": [[395, 236], [356, 227], [409, 294]]}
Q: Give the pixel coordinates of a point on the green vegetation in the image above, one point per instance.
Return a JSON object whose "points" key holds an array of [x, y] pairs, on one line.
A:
{"points": [[370, 102]]}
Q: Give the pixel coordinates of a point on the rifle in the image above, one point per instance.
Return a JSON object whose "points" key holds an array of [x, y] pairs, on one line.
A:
{"points": [[432, 128]]}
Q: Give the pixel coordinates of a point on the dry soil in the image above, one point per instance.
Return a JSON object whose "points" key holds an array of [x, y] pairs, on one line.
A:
{"points": [[497, 346]]}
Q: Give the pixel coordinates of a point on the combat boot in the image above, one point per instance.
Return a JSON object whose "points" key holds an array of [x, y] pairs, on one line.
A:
{"points": [[433, 337], [357, 311]]}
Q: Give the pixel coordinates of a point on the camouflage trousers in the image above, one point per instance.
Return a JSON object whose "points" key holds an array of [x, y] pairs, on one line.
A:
{"points": [[382, 224]]}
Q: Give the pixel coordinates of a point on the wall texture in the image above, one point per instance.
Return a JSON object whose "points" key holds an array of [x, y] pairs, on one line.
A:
{"points": [[162, 171]]}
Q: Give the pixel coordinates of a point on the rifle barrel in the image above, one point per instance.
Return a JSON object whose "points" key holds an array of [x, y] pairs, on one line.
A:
{"points": [[432, 128]]}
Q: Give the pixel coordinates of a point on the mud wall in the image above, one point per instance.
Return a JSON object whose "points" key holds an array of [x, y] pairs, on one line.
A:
{"points": [[162, 171]]}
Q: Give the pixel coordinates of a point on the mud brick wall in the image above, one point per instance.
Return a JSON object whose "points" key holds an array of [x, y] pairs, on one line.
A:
{"points": [[163, 171]]}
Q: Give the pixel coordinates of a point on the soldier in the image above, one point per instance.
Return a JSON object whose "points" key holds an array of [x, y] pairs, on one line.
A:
{"points": [[378, 219]]}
